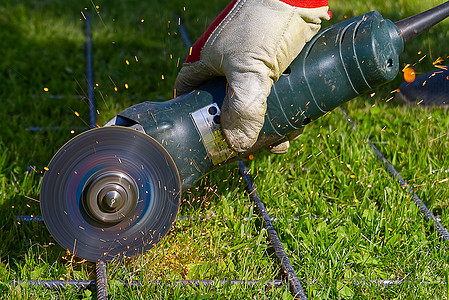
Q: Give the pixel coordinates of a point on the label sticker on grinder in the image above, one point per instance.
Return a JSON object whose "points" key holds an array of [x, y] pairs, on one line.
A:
{"points": [[207, 121]]}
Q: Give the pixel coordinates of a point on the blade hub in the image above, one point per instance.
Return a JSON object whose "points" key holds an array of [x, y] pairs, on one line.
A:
{"points": [[109, 197], [112, 198]]}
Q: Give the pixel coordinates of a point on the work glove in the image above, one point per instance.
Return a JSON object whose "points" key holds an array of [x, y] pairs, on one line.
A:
{"points": [[251, 42]]}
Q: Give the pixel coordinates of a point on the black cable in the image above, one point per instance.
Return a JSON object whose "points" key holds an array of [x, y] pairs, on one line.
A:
{"points": [[413, 26]]}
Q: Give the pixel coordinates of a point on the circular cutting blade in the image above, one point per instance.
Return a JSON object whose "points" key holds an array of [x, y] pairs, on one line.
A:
{"points": [[110, 192]]}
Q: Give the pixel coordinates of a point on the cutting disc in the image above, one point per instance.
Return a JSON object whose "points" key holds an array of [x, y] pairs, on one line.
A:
{"points": [[110, 192]]}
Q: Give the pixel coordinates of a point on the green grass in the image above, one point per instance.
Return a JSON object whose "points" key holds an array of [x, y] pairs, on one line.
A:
{"points": [[356, 225]]}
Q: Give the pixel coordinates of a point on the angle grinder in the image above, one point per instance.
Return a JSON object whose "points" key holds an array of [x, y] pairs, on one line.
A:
{"points": [[113, 192]]}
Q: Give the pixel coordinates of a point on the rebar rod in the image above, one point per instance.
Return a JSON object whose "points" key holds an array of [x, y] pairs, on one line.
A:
{"points": [[84, 284], [90, 72], [56, 285], [102, 280], [428, 215], [295, 284], [187, 218]]}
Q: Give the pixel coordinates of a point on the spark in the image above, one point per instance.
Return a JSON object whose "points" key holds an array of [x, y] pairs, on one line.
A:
{"points": [[115, 86], [438, 61], [126, 86], [101, 94], [45, 89], [439, 137], [98, 12], [409, 74], [127, 62], [30, 198], [84, 93], [74, 248], [406, 67], [441, 67], [435, 73]]}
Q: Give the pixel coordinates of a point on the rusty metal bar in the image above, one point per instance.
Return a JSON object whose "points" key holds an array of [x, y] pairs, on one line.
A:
{"points": [[428, 215], [295, 284], [102, 280]]}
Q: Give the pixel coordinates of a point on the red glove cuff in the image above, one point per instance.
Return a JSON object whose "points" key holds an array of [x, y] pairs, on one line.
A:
{"points": [[306, 3]]}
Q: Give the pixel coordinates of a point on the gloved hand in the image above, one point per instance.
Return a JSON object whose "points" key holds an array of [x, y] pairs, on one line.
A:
{"points": [[251, 42]]}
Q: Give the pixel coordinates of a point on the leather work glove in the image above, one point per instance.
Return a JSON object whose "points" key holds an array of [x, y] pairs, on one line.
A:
{"points": [[251, 42]]}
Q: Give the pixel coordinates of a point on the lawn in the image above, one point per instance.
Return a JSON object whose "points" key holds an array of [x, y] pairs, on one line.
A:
{"points": [[345, 222]]}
